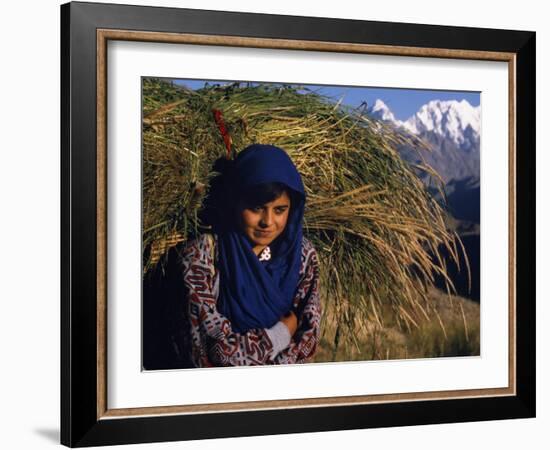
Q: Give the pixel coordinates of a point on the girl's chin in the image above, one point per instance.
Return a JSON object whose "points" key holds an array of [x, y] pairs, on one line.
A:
{"points": [[262, 241]]}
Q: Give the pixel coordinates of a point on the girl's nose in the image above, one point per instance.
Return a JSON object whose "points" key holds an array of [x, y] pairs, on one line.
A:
{"points": [[267, 218]]}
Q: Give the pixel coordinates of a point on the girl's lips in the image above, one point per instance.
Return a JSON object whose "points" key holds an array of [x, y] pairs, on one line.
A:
{"points": [[263, 232]]}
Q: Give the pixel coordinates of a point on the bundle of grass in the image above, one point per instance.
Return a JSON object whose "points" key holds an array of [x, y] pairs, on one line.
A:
{"points": [[378, 233]]}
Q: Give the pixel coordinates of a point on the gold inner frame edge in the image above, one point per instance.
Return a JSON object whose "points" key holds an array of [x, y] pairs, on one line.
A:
{"points": [[103, 36]]}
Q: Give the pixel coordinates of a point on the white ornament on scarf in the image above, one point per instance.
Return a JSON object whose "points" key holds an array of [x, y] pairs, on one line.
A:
{"points": [[265, 255]]}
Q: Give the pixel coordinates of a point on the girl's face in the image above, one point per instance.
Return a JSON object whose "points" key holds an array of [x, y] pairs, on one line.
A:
{"points": [[264, 223]]}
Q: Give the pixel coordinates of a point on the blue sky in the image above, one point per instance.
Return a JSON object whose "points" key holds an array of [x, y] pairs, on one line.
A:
{"points": [[403, 102]]}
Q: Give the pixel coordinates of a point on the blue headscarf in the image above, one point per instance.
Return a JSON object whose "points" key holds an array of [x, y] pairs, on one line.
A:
{"points": [[255, 294]]}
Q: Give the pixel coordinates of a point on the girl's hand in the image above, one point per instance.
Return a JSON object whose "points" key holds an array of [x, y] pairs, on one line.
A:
{"points": [[291, 322]]}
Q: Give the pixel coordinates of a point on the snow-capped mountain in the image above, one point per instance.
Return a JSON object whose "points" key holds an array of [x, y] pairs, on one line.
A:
{"points": [[451, 128], [381, 111], [456, 121]]}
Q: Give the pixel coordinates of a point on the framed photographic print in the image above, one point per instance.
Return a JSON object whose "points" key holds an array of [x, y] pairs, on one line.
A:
{"points": [[279, 224]]}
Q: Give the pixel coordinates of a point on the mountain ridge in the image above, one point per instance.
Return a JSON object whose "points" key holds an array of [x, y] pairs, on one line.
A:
{"points": [[451, 129]]}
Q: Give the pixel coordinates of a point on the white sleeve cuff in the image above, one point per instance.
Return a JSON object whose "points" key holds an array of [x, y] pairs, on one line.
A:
{"points": [[279, 336]]}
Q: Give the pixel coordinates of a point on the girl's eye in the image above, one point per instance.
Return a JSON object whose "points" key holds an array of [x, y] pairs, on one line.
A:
{"points": [[280, 210]]}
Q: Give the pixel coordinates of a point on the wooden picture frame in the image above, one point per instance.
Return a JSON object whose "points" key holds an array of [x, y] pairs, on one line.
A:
{"points": [[86, 418]]}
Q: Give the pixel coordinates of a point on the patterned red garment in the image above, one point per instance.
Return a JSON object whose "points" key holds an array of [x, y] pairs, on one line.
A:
{"points": [[213, 341]]}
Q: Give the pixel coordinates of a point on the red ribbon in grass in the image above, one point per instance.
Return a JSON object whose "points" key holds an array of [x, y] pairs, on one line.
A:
{"points": [[218, 117]]}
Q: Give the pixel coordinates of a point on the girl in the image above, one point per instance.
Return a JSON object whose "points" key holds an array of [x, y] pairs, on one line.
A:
{"points": [[253, 285]]}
